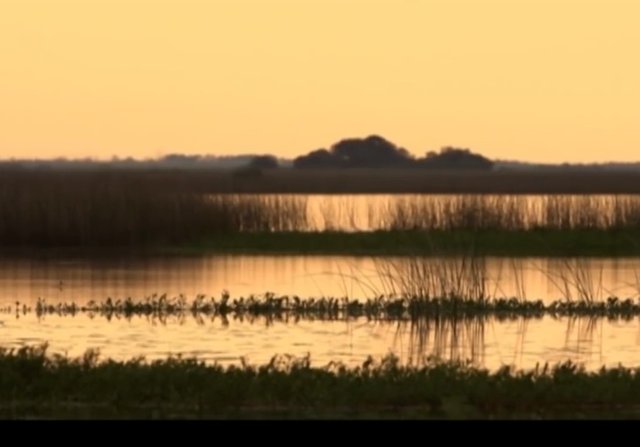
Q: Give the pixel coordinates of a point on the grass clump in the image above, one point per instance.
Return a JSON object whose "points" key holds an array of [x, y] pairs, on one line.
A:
{"points": [[35, 384]]}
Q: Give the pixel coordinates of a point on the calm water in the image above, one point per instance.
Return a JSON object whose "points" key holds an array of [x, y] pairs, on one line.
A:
{"points": [[82, 280], [489, 342]]}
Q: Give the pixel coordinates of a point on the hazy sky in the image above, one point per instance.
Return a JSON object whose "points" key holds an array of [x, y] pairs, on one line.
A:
{"points": [[540, 80]]}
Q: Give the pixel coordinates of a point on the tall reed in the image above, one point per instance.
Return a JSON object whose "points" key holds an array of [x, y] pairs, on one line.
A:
{"points": [[463, 278], [107, 210], [57, 208], [576, 280], [511, 213]]}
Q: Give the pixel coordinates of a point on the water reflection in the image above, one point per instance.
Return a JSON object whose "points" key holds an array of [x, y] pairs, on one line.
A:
{"points": [[443, 338], [489, 342], [367, 212], [82, 280]]}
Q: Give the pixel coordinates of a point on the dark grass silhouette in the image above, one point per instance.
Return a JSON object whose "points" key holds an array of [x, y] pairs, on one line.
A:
{"points": [[128, 208], [41, 209], [35, 384]]}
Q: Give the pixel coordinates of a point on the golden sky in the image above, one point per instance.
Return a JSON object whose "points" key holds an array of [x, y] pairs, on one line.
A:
{"points": [[539, 80]]}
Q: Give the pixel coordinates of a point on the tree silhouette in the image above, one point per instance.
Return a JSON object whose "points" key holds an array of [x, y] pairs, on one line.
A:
{"points": [[377, 152], [371, 152], [455, 158], [264, 162]]}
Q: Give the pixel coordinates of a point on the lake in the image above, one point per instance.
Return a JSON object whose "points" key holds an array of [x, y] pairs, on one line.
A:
{"points": [[488, 342]]}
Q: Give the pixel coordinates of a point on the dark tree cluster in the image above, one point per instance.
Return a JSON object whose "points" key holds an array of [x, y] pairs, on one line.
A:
{"points": [[376, 152], [264, 162], [454, 158], [370, 152]]}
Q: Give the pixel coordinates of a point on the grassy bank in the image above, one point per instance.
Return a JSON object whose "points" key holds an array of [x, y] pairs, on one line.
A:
{"points": [[33, 384], [455, 242]]}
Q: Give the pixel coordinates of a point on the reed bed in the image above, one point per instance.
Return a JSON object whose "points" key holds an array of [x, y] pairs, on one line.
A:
{"points": [[107, 210], [510, 213], [113, 208], [37, 384], [464, 278]]}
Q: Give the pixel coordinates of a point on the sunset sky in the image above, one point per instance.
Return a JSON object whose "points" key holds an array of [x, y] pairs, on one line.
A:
{"points": [[536, 80]]}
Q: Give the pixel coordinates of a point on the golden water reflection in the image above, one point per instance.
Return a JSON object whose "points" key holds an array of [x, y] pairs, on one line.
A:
{"points": [[82, 280], [486, 342]]}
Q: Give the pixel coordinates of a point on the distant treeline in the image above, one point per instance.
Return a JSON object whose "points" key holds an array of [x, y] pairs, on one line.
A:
{"points": [[171, 161], [376, 152], [371, 152]]}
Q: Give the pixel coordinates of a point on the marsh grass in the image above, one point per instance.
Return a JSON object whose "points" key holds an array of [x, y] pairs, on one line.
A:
{"points": [[119, 208], [105, 209], [36, 384], [462, 278], [511, 213], [467, 277], [576, 280]]}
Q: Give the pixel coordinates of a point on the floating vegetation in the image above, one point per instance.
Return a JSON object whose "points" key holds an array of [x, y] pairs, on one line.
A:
{"points": [[409, 288], [379, 308]]}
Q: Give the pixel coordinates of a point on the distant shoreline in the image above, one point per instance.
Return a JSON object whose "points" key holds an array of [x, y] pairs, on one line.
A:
{"points": [[534, 243], [348, 181]]}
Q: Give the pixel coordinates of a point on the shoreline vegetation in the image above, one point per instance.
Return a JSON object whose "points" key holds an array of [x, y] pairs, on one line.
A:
{"points": [[409, 289], [336, 181], [36, 384], [529, 243], [119, 212], [388, 308], [104, 210]]}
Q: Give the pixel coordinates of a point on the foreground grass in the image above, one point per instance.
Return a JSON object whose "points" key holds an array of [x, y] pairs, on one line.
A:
{"points": [[34, 384], [457, 242]]}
